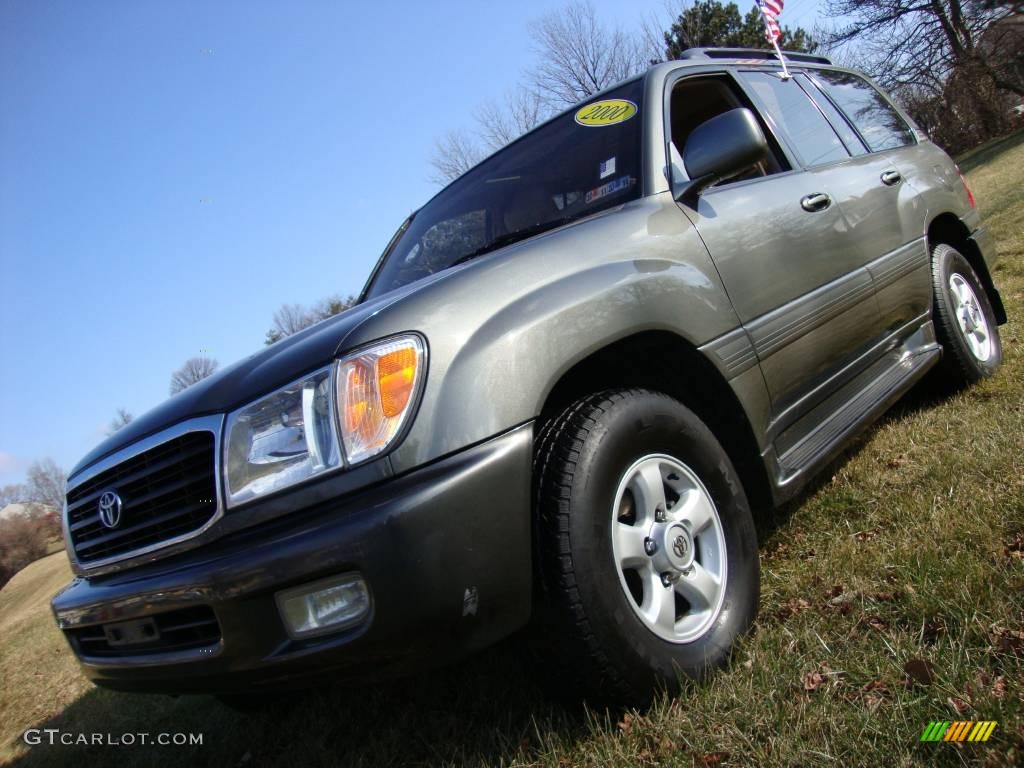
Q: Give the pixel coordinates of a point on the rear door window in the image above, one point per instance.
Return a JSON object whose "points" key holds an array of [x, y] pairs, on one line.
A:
{"points": [[805, 128], [878, 122], [843, 127]]}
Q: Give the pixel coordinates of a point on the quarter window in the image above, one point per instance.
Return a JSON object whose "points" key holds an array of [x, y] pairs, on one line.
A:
{"points": [[789, 107], [879, 124]]}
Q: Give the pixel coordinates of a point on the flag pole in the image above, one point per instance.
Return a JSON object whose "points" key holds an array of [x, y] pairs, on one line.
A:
{"points": [[782, 59], [772, 37]]}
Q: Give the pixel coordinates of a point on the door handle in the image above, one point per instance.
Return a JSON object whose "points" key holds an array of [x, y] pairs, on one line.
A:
{"points": [[891, 176], [819, 201]]}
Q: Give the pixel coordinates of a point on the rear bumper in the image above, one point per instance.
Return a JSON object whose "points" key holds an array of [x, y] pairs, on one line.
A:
{"points": [[445, 551]]}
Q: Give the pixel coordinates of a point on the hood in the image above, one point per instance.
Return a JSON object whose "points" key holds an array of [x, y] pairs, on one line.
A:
{"points": [[249, 378]]}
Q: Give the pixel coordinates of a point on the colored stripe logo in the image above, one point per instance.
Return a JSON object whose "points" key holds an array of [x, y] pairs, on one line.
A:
{"points": [[959, 730]]}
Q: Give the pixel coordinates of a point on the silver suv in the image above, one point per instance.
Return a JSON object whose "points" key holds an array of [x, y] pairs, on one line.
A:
{"points": [[569, 379]]}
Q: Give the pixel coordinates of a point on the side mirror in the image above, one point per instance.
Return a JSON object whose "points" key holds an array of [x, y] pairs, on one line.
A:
{"points": [[723, 146]]}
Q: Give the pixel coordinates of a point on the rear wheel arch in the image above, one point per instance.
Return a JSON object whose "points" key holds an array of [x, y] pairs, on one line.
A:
{"points": [[948, 229]]}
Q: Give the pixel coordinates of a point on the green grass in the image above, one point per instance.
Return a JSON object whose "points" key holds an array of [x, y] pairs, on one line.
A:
{"points": [[910, 550]]}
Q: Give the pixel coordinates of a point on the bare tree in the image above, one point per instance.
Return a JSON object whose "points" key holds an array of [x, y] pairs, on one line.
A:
{"points": [[579, 56], [46, 483], [918, 44], [454, 154], [500, 123], [121, 418], [292, 318], [193, 371], [11, 494]]}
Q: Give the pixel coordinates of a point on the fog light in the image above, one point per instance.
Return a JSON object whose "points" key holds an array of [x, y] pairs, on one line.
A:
{"points": [[324, 606]]}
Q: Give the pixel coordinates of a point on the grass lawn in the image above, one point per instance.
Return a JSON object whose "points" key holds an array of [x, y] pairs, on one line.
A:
{"points": [[893, 595]]}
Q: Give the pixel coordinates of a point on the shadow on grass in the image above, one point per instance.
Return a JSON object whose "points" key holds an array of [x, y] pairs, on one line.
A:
{"points": [[482, 712], [926, 395]]}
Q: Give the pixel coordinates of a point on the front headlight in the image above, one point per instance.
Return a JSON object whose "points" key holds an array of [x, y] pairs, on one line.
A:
{"points": [[282, 439], [345, 413]]}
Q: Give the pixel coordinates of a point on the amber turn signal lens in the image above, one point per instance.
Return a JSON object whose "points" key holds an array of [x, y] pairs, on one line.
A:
{"points": [[396, 373], [376, 388]]}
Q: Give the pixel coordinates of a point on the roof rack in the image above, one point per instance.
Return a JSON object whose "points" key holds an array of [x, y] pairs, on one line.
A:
{"points": [[751, 53]]}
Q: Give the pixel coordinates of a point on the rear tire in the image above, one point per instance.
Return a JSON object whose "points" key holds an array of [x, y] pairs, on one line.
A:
{"points": [[608, 622], [965, 322]]}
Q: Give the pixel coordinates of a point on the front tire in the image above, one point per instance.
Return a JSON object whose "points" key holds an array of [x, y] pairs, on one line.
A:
{"points": [[646, 544], [964, 320]]}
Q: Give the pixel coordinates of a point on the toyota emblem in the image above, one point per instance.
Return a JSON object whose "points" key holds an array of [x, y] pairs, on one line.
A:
{"points": [[110, 509], [679, 546]]}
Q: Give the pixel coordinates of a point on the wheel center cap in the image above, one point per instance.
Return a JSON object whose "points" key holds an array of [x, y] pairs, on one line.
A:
{"points": [[678, 546]]}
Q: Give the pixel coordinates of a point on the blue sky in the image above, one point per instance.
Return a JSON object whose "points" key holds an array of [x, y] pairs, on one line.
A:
{"points": [[309, 128]]}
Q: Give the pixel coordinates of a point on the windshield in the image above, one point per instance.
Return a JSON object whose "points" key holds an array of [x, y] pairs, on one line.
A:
{"points": [[582, 162]]}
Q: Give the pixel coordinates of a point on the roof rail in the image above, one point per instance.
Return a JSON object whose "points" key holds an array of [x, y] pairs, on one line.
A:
{"points": [[751, 53]]}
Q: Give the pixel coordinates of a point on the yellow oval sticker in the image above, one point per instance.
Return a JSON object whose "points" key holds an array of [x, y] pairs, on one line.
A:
{"points": [[605, 112]]}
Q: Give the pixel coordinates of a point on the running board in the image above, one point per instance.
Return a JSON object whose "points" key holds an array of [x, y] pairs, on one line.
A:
{"points": [[831, 435]]}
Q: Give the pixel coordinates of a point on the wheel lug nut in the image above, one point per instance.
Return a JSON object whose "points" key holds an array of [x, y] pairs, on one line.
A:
{"points": [[650, 546], [659, 514], [668, 578]]}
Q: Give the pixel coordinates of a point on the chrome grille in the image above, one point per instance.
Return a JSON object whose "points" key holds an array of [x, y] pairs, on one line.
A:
{"points": [[167, 492]]}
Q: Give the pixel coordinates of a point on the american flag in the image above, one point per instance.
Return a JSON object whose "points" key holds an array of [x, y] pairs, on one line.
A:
{"points": [[771, 9]]}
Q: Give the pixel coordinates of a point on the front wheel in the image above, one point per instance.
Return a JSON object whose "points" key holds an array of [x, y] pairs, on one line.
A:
{"points": [[647, 547]]}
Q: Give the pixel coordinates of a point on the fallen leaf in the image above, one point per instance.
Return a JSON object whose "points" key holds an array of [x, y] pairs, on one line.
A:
{"points": [[920, 671], [1015, 548], [888, 596], [932, 630], [959, 705], [1010, 641], [875, 622], [792, 607], [874, 693], [813, 681], [999, 688], [867, 535], [626, 724], [712, 758]]}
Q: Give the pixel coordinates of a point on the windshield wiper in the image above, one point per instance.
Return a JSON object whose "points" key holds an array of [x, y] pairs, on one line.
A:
{"points": [[512, 237]]}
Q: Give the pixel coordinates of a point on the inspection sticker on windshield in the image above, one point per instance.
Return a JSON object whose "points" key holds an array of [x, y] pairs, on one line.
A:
{"points": [[610, 188], [605, 112]]}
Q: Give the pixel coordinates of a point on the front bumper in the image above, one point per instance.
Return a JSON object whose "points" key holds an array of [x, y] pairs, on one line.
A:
{"points": [[445, 551]]}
